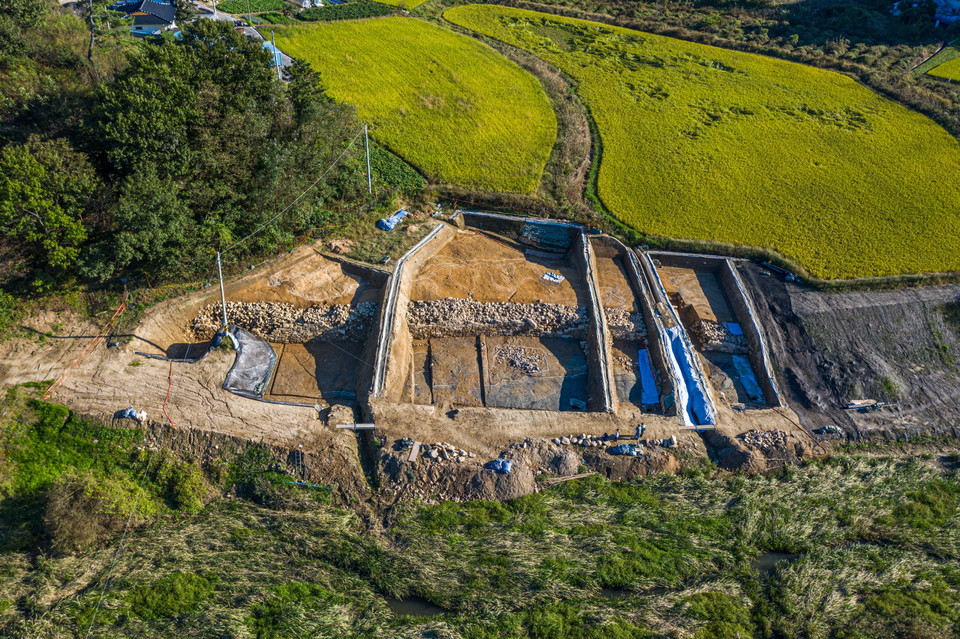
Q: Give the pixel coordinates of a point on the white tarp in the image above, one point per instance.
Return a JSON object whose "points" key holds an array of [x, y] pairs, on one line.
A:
{"points": [[648, 386], [747, 378]]}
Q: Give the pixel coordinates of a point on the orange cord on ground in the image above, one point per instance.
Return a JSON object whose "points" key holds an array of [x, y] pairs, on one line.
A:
{"points": [[87, 349]]}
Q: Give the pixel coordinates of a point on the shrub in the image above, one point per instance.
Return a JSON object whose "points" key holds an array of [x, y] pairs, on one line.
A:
{"points": [[349, 11], [85, 508]]}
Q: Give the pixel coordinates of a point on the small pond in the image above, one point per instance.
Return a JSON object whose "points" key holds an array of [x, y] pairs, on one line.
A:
{"points": [[414, 607]]}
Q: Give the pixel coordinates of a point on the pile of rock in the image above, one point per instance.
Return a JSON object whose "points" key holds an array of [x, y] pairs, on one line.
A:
{"points": [[764, 439], [625, 364], [624, 325], [287, 324], [443, 451], [713, 336], [529, 361], [594, 441], [453, 317]]}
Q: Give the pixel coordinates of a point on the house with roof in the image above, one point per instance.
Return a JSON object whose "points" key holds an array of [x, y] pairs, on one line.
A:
{"points": [[149, 16]]}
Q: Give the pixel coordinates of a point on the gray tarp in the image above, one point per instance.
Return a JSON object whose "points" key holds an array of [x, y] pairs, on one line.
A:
{"points": [[253, 368]]}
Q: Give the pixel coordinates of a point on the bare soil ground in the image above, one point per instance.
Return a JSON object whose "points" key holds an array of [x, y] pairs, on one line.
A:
{"points": [[700, 288], [615, 289], [830, 348], [476, 266]]}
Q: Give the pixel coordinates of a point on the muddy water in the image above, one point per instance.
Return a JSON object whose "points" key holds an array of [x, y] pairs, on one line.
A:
{"points": [[766, 563], [414, 607]]}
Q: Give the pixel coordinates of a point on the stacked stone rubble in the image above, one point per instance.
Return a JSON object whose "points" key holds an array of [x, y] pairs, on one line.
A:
{"points": [[462, 318], [287, 324], [713, 336]]}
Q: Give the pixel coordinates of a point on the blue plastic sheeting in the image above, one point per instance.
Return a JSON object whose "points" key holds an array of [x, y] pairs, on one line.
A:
{"points": [[747, 378], [734, 328], [499, 465], [277, 56], [648, 386], [629, 450], [547, 235], [695, 406], [128, 413], [389, 223]]}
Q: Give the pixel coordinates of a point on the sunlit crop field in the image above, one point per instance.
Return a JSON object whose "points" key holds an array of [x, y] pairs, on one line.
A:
{"points": [[949, 69], [704, 143], [408, 4], [444, 102]]}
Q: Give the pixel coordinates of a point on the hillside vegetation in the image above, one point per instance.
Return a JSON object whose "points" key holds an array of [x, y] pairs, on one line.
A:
{"points": [[867, 543], [453, 107], [711, 144]]}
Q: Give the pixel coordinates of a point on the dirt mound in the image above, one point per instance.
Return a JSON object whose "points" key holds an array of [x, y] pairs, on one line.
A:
{"points": [[625, 468], [282, 323], [755, 451], [830, 348], [461, 318]]}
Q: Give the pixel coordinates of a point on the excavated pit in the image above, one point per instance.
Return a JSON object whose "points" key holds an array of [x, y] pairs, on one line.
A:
{"points": [[316, 315], [487, 329], [714, 310]]}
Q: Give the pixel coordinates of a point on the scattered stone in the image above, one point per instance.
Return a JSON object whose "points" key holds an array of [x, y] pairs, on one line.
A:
{"points": [[340, 247]]}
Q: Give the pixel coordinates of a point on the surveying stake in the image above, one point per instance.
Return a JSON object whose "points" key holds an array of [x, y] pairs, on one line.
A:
{"points": [[223, 297], [366, 140]]}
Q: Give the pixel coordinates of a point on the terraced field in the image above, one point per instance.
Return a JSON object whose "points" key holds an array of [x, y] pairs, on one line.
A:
{"points": [[446, 103], [706, 143], [942, 65]]}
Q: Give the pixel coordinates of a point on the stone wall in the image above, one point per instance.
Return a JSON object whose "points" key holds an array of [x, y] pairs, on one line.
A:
{"points": [[454, 317]]}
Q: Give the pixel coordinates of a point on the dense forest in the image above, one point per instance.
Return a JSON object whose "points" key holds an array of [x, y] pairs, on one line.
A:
{"points": [[144, 160]]}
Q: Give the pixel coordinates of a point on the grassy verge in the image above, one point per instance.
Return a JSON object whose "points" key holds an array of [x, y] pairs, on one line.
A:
{"points": [[868, 539]]}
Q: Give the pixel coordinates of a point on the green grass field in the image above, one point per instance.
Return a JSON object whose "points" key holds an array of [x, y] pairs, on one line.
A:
{"points": [[705, 143], [408, 4], [949, 68], [451, 106], [943, 56], [241, 6]]}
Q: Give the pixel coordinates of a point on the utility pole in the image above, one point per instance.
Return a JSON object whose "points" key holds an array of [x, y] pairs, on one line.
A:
{"points": [[276, 54], [223, 297], [366, 139]]}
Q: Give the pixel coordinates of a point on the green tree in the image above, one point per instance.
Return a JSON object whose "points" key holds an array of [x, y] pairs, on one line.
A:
{"points": [[40, 207]]}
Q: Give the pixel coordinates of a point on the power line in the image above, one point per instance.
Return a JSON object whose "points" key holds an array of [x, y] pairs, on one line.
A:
{"points": [[299, 197]]}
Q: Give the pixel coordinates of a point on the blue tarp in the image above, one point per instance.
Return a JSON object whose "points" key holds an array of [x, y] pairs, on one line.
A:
{"points": [[388, 224], [499, 465], [129, 413], [277, 57], [696, 408], [734, 328], [648, 386], [624, 449], [747, 378]]}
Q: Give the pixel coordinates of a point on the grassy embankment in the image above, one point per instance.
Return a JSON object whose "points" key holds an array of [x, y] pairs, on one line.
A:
{"points": [[451, 106], [873, 537], [710, 144], [940, 64]]}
